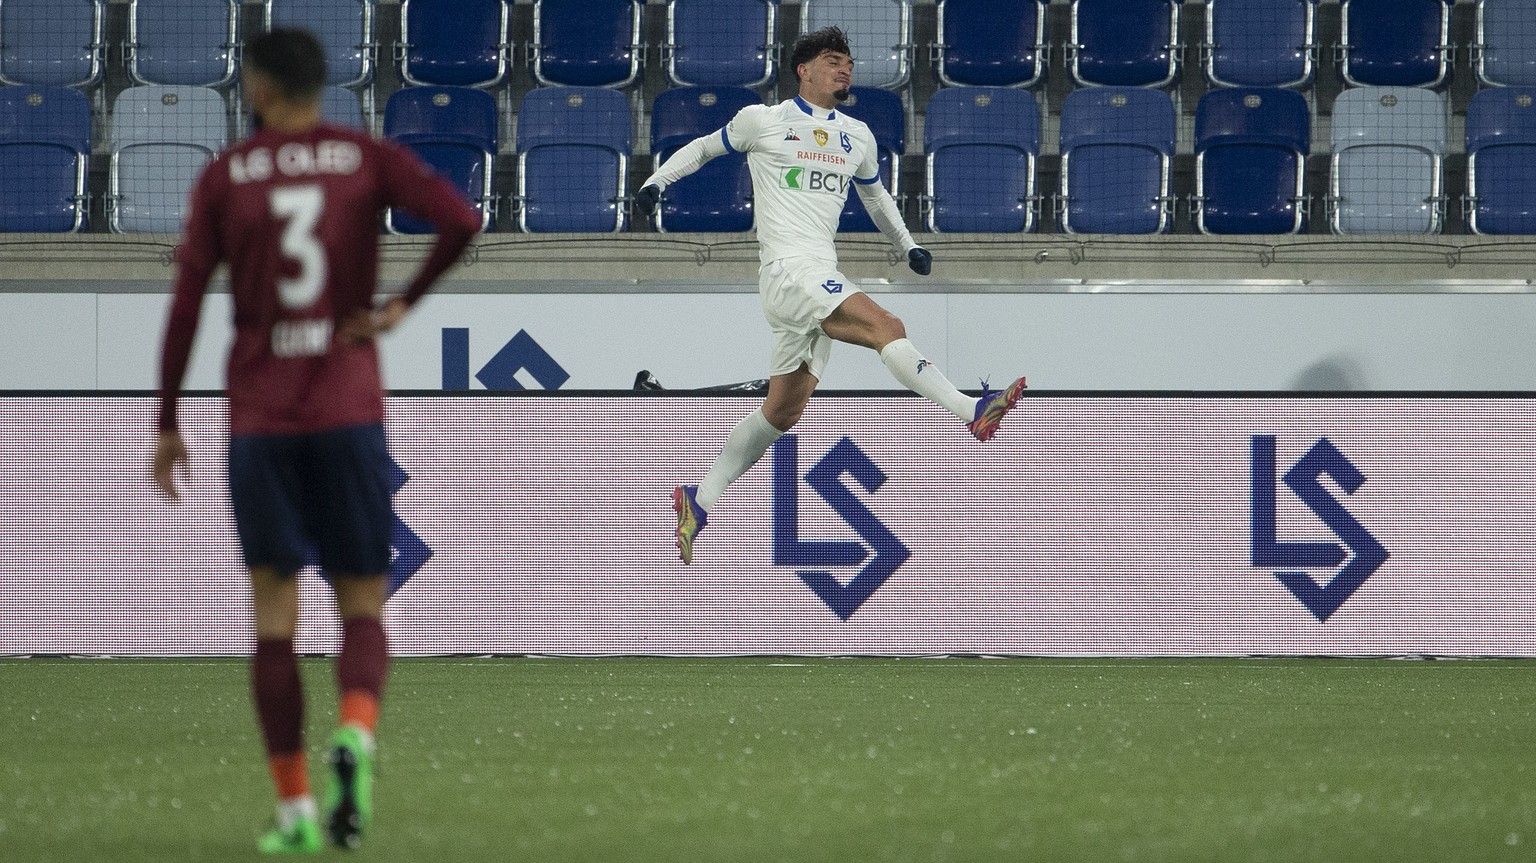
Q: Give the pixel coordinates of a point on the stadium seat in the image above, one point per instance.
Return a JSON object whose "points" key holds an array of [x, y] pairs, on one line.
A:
{"points": [[453, 129], [721, 43], [162, 136], [45, 43], [586, 43], [1251, 147], [1116, 150], [1388, 144], [344, 27], [453, 43], [1260, 43], [717, 197], [879, 32], [1505, 47], [982, 143], [1501, 161], [189, 44], [1124, 43], [343, 107], [883, 113], [573, 146], [984, 43], [1395, 43], [45, 142]]}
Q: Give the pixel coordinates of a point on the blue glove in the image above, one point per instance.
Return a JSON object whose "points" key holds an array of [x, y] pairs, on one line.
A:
{"points": [[646, 199], [920, 260]]}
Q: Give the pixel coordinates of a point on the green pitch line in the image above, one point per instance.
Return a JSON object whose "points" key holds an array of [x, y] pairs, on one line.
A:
{"points": [[640, 760]]}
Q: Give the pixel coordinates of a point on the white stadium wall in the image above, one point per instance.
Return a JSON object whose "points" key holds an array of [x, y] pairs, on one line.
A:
{"points": [[1093, 525]]}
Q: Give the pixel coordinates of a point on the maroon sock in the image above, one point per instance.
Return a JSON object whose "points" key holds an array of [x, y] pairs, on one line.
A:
{"points": [[364, 661], [279, 695]]}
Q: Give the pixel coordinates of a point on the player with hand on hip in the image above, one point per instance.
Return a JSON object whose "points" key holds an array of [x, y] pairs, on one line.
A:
{"points": [[803, 155], [294, 211]]}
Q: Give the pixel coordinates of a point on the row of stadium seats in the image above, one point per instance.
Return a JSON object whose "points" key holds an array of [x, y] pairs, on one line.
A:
{"points": [[981, 144], [1262, 43]]}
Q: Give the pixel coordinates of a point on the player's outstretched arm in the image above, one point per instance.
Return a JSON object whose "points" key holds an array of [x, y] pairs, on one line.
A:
{"points": [[693, 156], [883, 212]]}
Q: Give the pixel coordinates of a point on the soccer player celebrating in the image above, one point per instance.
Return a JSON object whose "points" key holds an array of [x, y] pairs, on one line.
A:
{"points": [[294, 211], [803, 154]]}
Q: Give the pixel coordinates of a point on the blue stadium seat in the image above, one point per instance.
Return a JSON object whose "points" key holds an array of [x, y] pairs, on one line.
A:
{"points": [[344, 27], [343, 107], [879, 32], [1116, 150], [1501, 161], [717, 197], [1251, 147], [721, 43], [162, 136], [453, 129], [1505, 47], [986, 43], [1395, 43], [45, 142], [586, 43], [573, 146], [184, 43], [1388, 146], [982, 143], [453, 43], [1124, 43], [1260, 43], [46, 43], [883, 113]]}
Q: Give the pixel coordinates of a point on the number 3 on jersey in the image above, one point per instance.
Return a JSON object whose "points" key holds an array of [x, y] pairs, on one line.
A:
{"points": [[301, 207]]}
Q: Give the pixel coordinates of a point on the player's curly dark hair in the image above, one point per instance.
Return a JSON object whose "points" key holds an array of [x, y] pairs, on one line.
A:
{"points": [[811, 45], [292, 58]]}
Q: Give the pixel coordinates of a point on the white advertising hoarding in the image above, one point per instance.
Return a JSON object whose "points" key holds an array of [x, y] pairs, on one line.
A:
{"points": [[1105, 525]]}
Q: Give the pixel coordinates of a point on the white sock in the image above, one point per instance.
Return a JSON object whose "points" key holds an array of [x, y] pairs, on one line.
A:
{"points": [[924, 378], [289, 811], [748, 441]]}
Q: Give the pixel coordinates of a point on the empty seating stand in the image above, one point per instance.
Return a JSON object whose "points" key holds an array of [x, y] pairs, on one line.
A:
{"points": [[882, 112], [1124, 43], [49, 43], [981, 143], [717, 197], [1395, 43], [453, 129], [1501, 161], [586, 43], [1388, 146], [162, 136], [984, 43], [345, 29], [1260, 43], [1251, 146], [343, 107], [721, 43], [879, 32], [573, 146], [183, 43], [45, 140], [1504, 50], [454, 43], [1116, 148]]}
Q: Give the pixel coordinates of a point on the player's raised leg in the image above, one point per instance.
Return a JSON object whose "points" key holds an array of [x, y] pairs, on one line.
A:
{"points": [[360, 673], [279, 696]]}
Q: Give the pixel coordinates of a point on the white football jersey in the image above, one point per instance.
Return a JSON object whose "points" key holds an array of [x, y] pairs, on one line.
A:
{"points": [[804, 161]]}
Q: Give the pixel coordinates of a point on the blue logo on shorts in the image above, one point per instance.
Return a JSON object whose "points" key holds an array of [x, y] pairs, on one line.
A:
{"points": [[832, 287]]}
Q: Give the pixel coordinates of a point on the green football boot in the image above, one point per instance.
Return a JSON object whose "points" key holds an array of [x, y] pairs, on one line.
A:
{"points": [[348, 797], [303, 838]]}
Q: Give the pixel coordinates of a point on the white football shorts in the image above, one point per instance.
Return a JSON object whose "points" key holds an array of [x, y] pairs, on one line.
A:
{"points": [[798, 294]]}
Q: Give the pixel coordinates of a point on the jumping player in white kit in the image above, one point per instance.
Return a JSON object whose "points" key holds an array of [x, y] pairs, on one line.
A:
{"points": [[804, 154]]}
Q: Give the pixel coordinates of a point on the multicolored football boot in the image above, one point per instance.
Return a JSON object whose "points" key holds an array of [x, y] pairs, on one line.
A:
{"points": [[691, 518], [993, 406]]}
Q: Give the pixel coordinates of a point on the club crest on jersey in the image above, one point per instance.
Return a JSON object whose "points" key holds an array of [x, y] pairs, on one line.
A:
{"points": [[847, 144], [791, 136], [821, 137]]}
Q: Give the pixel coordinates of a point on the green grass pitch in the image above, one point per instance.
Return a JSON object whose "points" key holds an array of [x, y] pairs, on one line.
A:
{"points": [[640, 760]]}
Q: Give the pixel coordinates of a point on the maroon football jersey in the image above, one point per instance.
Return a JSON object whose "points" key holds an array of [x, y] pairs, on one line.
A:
{"points": [[296, 218]]}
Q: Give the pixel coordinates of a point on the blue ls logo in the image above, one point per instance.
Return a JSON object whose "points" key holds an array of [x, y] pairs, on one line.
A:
{"points": [[826, 478], [1303, 480]]}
